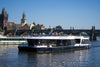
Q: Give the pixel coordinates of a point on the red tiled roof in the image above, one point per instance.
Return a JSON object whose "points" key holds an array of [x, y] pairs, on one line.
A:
{"points": [[18, 24], [11, 23], [40, 25]]}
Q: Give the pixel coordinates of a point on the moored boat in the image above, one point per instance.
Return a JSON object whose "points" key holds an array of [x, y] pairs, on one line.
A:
{"points": [[54, 43], [12, 40]]}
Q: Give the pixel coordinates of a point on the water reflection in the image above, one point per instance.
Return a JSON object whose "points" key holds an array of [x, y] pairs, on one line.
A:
{"points": [[8, 55], [61, 59], [11, 57]]}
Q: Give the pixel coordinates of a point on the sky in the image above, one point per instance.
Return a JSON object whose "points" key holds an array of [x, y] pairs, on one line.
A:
{"points": [[80, 14]]}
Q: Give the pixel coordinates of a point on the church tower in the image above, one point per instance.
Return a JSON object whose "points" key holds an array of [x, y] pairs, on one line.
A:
{"points": [[23, 20], [3, 20]]}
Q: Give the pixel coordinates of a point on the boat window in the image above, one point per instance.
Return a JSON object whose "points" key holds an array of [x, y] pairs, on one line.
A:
{"points": [[84, 41], [3, 39], [59, 43], [64, 42], [43, 42], [32, 42], [53, 42], [73, 42], [77, 40], [68, 42]]}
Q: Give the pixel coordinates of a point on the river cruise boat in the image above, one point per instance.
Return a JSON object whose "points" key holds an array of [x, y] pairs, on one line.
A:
{"points": [[54, 43], [4, 40]]}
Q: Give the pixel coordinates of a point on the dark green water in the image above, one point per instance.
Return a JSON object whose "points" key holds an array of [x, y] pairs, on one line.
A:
{"points": [[11, 57]]}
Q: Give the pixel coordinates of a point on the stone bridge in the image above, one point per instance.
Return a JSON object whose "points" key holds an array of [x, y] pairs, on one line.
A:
{"points": [[92, 33]]}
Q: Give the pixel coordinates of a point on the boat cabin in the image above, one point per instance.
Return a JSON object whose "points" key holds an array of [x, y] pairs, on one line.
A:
{"points": [[54, 41]]}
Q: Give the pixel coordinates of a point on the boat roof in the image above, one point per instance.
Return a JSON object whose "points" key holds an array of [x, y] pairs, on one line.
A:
{"points": [[55, 37]]}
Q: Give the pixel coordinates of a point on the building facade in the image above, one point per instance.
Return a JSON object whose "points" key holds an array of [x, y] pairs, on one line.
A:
{"points": [[3, 20], [40, 27]]}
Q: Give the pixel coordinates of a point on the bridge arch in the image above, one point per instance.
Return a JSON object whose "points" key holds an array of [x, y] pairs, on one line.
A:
{"points": [[84, 33]]}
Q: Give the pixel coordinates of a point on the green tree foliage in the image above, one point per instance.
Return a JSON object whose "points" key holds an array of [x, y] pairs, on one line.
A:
{"points": [[61, 33], [34, 27], [0, 29]]}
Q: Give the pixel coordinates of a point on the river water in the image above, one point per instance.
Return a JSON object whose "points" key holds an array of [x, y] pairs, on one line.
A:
{"points": [[11, 57]]}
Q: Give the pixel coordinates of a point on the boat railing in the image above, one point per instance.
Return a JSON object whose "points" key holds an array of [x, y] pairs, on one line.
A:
{"points": [[44, 35]]}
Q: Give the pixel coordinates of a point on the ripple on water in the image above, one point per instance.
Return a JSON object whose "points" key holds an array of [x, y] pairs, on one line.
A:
{"points": [[10, 57]]}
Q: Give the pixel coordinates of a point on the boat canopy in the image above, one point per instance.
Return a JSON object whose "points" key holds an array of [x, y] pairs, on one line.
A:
{"points": [[55, 37]]}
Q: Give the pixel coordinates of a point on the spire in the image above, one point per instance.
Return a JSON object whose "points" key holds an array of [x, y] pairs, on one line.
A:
{"points": [[23, 15], [23, 20], [3, 11]]}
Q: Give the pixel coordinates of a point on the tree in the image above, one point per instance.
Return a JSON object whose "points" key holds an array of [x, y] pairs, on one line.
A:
{"points": [[61, 33], [34, 27], [0, 29]]}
